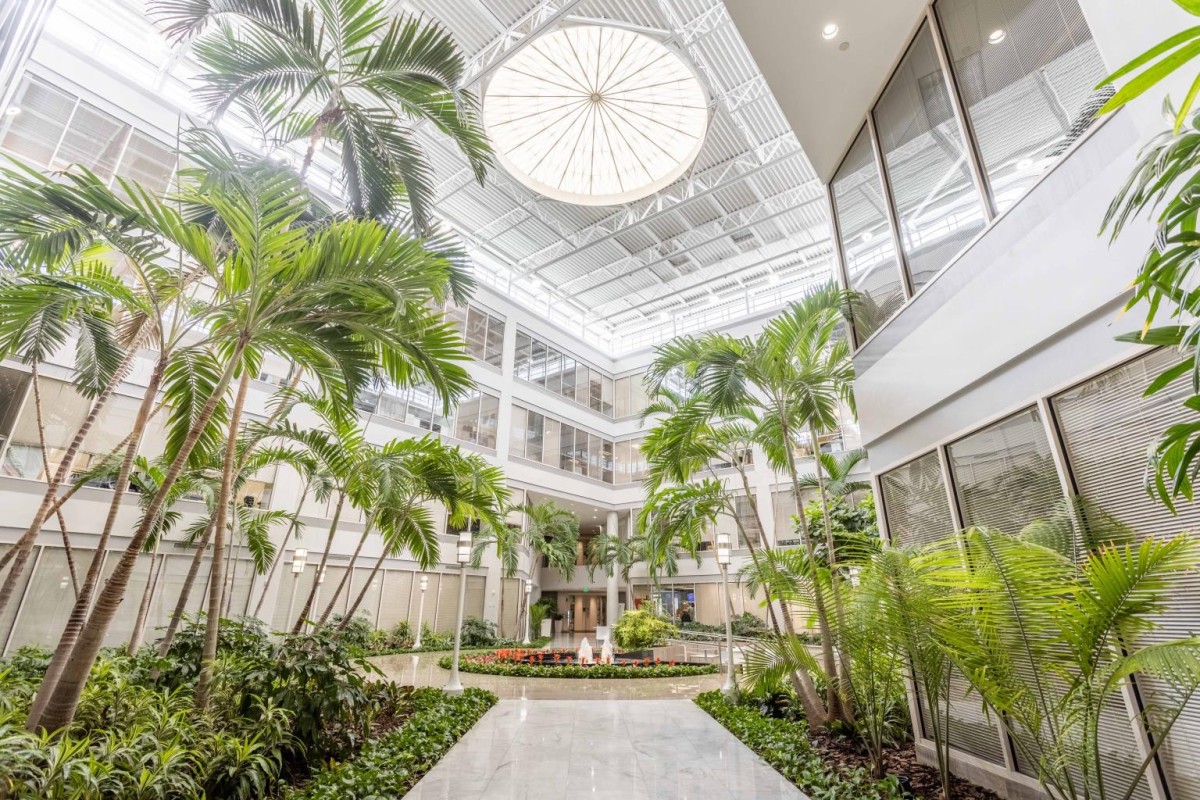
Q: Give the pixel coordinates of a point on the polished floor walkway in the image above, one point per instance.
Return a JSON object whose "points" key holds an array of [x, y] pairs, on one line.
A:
{"points": [[601, 750]]}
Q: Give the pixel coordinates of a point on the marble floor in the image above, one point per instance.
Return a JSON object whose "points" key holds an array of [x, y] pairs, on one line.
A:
{"points": [[609, 750]]}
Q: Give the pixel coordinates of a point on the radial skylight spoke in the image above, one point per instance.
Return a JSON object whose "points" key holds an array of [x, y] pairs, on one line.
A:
{"points": [[596, 115]]}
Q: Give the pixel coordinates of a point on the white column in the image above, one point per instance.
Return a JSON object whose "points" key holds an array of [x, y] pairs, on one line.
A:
{"points": [[611, 611]]}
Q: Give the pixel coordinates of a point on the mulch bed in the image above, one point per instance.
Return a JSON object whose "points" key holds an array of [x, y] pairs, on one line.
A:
{"points": [[926, 783]]}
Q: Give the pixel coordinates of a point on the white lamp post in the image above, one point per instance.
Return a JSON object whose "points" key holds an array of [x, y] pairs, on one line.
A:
{"points": [[528, 617], [421, 611], [724, 552], [454, 687], [299, 561]]}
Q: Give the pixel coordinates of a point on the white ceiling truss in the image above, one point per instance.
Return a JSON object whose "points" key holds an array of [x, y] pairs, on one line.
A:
{"points": [[740, 233]]}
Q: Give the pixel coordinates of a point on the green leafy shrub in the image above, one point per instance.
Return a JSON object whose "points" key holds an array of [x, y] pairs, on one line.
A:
{"points": [[478, 632], [392, 764], [637, 630], [786, 747], [599, 671], [240, 638], [745, 625], [357, 633]]}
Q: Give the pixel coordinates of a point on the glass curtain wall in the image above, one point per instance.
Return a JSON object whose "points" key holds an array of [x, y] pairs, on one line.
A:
{"points": [[1026, 71], [868, 251], [545, 440], [928, 169], [1022, 75], [565, 375], [482, 331], [473, 420]]}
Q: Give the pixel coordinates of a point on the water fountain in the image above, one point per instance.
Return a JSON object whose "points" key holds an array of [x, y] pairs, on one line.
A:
{"points": [[585, 652]]}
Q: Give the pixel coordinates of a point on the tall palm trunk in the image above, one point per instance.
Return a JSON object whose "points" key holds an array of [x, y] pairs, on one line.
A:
{"points": [[79, 611], [216, 583], [839, 609], [312, 593], [346, 575], [802, 682], [60, 708], [19, 554], [282, 546], [35, 379], [362, 593], [139, 625], [185, 593], [833, 708]]}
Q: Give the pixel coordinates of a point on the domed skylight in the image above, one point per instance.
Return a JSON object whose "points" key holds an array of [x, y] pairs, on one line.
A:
{"points": [[595, 115]]}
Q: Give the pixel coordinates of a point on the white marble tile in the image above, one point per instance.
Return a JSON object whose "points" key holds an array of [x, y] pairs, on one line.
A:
{"points": [[601, 749]]}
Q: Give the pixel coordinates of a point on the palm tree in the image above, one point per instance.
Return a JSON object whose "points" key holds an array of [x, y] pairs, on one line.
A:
{"points": [[549, 532], [837, 479], [790, 381], [339, 71], [1049, 625], [615, 556], [469, 488], [343, 300]]}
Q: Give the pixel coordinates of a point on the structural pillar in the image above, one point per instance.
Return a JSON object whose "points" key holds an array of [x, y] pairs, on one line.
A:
{"points": [[611, 611]]}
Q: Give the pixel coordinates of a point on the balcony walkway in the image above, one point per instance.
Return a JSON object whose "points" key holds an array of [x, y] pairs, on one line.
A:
{"points": [[608, 750]]}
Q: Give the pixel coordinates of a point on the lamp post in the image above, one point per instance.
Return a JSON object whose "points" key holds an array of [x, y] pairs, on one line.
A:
{"points": [[528, 616], [724, 552], [454, 687], [421, 611], [299, 561]]}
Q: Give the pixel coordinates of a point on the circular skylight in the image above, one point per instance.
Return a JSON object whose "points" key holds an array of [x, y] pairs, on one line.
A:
{"points": [[596, 116]]}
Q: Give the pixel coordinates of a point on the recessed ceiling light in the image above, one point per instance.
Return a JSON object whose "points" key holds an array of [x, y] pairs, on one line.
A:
{"points": [[12, 111], [830, 30], [867, 236], [997, 36], [1024, 164]]}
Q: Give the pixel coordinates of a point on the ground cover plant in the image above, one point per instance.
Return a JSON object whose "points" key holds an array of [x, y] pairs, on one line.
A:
{"points": [[561, 663]]}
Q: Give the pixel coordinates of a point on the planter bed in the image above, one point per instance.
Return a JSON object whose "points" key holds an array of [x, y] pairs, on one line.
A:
{"points": [[392, 764], [521, 663]]}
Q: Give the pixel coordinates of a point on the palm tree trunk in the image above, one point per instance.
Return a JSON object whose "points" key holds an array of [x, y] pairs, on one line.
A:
{"points": [[802, 682], [362, 593], [345, 576], [139, 625], [24, 546], [185, 593], [829, 663], [312, 593], [60, 707], [79, 611], [282, 546], [35, 379], [838, 608], [216, 583]]}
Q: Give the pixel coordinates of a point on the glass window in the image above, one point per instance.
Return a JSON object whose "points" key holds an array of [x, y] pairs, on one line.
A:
{"points": [[551, 442], [606, 398], [517, 432], [94, 140], [489, 409], [1108, 425], [581, 384], [867, 246], [63, 411], [1026, 70], [937, 204], [476, 333], [553, 370], [12, 397], [596, 391], [34, 133], [391, 404], [148, 162], [495, 341], [466, 425], [621, 455], [595, 457], [567, 387], [566, 448], [1004, 475], [521, 356], [606, 462], [537, 363], [915, 502]]}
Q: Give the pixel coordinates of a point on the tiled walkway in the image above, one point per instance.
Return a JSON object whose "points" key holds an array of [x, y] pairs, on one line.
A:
{"points": [[601, 750]]}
